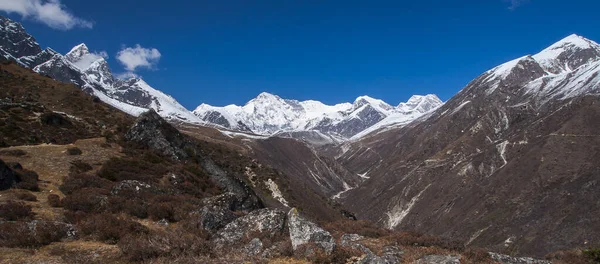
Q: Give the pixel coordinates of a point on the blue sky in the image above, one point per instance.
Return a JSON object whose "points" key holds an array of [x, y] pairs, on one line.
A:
{"points": [[222, 52]]}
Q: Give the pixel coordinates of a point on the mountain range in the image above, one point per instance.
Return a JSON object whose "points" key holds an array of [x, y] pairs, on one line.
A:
{"points": [[509, 163], [267, 114]]}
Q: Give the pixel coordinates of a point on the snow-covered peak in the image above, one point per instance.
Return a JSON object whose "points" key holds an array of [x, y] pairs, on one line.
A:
{"points": [[377, 104], [573, 41], [77, 52], [420, 103], [82, 58], [568, 54]]}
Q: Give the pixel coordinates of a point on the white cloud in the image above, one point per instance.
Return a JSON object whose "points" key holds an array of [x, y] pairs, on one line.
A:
{"points": [[126, 75], [137, 57], [514, 4], [50, 12], [86, 60]]}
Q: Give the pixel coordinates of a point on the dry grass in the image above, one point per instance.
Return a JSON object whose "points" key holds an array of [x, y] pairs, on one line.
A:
{"points": [[70, 252], [52, 164]]}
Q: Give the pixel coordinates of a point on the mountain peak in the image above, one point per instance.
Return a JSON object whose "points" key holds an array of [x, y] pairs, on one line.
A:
{"points": [[421, 103], [79, 50], [568, 54]]}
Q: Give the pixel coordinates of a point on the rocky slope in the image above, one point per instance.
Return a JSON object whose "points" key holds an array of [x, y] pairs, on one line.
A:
{"points": [[507, 163]]}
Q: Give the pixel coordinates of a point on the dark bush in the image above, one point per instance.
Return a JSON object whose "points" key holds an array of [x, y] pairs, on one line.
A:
{"points": [[54, 200], [78, 166], [74, 151], [477, 255], [119, 169], [173, 208], [109, 228], [421, 240], [571, 257], [54, 119], [89, 200], [26, 196], [132, 206], [593, 254], [75, 182], [363, 228], [172, 243], [27, 179], [31, 234], [12, 211]]}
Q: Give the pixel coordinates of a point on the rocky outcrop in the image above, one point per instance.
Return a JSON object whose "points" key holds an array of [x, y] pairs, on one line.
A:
{"points": [[217, 212], [506, 259], [8, 178], [439, 259], [131, 186], [152, 131], [303, 232], [390, 255], [260, 223]]}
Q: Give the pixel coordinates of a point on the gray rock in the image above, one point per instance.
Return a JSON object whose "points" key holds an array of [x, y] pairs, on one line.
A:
{"points": [[391, 254], [439, 259], [212, 218], [163, 222], [253, 248], [154, 132], [130, 185], [264, 222], [303, 231], [506, 259]]}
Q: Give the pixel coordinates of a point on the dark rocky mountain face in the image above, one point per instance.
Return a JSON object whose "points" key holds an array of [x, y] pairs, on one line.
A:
{"points": [[507, 164], [15, 41]]}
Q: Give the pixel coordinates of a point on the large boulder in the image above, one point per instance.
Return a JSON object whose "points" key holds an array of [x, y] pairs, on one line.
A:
{"points": [[268, 223], [152, 131], [390, 254], [8, 178], [216, 212], [506, 259], [303, 232], [439, 259]]}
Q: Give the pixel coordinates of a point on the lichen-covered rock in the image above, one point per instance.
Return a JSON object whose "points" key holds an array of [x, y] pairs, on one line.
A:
{"points": [[253, 248], [303, 231], [506, 259], [7, 177], [212, 218], [130, 185], [439, 259], [390, 255], [154, 132], [263, 222]]}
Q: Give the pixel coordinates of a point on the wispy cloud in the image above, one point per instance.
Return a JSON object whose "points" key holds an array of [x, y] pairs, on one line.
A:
{"points": [[126, 75], [138, 57], [514, 4], [50, 12]]}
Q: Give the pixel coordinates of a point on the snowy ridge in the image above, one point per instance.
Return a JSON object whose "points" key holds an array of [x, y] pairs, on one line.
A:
{"points": [[566, 69], [91, 72], [269, 114]]}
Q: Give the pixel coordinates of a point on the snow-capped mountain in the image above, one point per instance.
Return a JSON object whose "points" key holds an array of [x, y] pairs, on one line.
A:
{"points": [[89, 71], [515, 147], [269, 114]]}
